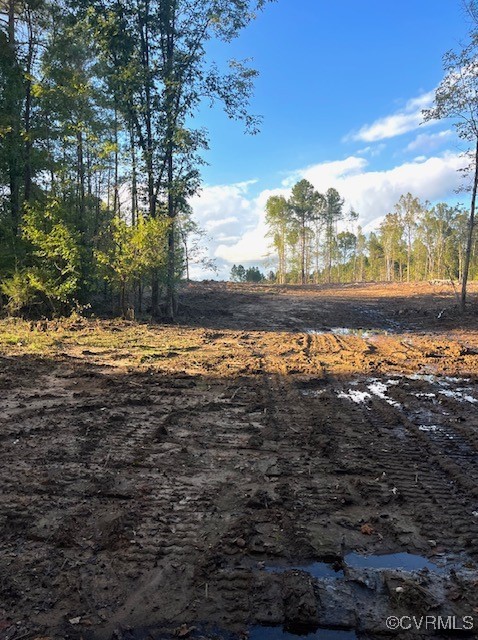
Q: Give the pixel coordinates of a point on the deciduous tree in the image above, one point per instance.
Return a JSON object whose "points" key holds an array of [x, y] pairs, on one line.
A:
{"points": [[456, 98]]}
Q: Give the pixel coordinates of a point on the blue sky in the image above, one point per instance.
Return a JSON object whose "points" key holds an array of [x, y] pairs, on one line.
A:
{"points": [[341, 89]]}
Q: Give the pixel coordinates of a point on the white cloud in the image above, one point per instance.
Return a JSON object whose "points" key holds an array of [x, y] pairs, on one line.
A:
{"points": [[235, 224], [328, 172], [406, 119], [217, 205], [372, 150], [253, 245], [374, 193], [216, 224], [429, 141], [236, 219]]}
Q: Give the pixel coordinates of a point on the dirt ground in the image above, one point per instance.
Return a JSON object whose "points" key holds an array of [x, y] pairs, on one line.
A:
{"points": [[236, 475]]}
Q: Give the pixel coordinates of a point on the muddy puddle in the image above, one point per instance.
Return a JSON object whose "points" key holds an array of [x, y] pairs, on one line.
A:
{"points": [[437, 406], [312, 393], [276, 633], [357, 332], [255, 632], [402, 562], [374, 387], [415, 386]]}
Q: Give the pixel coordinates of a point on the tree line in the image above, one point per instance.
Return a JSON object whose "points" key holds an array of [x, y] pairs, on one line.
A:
{"points": [[98, 150], [252, 274], [316, 241]]}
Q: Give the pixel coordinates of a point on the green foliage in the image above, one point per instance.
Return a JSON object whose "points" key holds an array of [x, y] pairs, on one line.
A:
{"points": [[305, 205], [8, 242], [22, 292], [155, 64], [455, 96], [50, 282], [278, 221], [251, 274], [127, 253]]}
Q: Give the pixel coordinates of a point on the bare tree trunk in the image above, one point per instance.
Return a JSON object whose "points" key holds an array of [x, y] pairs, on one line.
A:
{"points": [[147, 142], [170, 21], [330, 236], [134, 179], [471, 228], [145, 61], [108, 188], [317, 249], [89, 173], [282, 259], [186, 255], [123, 299], [81, 182], [28, 102], [116, 205], [302, 257], [82, 223], [13, 109], [170, 284]]}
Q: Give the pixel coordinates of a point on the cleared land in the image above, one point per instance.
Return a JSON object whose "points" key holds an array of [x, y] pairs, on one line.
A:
{"points": [[206, 478]]}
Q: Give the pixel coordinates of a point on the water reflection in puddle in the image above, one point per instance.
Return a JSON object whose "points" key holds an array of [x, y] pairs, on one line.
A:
{"points": [[256, 632], [276, 633], [399, 561], [402, 561], [348, 331], [431, 428], [439, 431], [312, 393], [380, 389], [376, 388], [355, 395], [459, 395]]}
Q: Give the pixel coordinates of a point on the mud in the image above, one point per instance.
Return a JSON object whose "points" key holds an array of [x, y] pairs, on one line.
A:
{"points": [[220, 478]]}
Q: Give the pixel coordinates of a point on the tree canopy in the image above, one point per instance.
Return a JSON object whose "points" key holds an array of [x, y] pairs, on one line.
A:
{"points": [[99, 152], [416, 241]]}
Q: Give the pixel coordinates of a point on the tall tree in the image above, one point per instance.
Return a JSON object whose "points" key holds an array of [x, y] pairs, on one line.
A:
{"points": [[346, 247], [305, 204], [333, 212], [11, 108], [391, 238], [359, 271], [409, 210], [278, 220], [436, 233], [168, 76]]}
